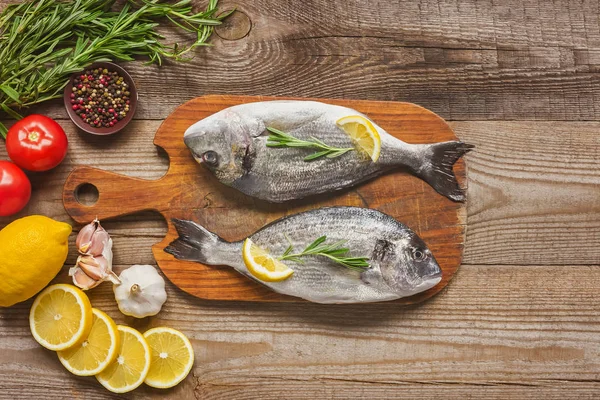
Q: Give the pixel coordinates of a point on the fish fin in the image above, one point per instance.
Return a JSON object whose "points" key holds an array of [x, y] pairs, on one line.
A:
{"points": [[437, 171], [195, 243]]}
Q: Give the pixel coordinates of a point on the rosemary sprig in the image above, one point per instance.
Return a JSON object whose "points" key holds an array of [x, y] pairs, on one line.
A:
{"points": [[278, 138], [334, 252], [42, 42]]}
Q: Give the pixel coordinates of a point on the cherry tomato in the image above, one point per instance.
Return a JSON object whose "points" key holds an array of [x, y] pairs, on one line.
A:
{"points": [[15, 189], [36, 143]]}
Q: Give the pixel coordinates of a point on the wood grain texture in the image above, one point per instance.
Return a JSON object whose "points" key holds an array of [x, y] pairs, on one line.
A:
{"points": [[528, 203], [492, 332], [534, 193], [464, 60], [519, 321], [517, 331], [189, 191]]}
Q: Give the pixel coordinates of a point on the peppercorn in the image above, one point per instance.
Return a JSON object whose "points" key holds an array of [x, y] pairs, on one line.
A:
{"points": [[100, 97]]}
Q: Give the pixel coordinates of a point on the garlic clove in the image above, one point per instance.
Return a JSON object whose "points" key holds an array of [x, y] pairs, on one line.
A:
{"points": [[92, 239], [93, 267], [95, 261], [99, 242], [84, 238], [82, 280]]}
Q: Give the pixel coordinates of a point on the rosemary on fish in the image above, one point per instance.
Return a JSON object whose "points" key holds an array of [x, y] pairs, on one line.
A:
{"points": [[335, 252], [278, 138]]}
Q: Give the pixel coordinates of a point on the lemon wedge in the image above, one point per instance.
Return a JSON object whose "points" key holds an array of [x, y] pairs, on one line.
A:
{"points": [[172, 357], [97, 351], [262, 265], [60, 317], [132, 364], [363, 134]]}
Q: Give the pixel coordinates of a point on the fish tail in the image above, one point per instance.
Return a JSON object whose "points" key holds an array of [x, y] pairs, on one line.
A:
{"points": [[195, 243], [437, 169]]}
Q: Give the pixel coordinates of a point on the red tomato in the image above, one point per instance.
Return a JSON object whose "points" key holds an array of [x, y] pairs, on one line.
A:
{"points": [[36, 143], [15, 189]]}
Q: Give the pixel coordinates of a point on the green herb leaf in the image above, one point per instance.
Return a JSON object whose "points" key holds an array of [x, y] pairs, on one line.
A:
{"points": [[314, 244], [10, 92], [334, 252], [87, 31], [278, 138], [11, 112], [316, 155], [3, 130]]}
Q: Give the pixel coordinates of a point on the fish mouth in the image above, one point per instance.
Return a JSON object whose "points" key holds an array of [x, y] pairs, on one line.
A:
{"points": [[427, 283], [433, 279]]}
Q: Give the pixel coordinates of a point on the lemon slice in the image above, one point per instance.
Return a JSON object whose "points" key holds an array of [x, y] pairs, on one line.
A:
{"points": [[172, 357], [60, 317], [97, 351], [262, 265], [363, 133], [132, 364]]}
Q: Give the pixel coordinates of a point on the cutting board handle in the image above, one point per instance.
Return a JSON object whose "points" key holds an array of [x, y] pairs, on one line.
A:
{"points": [[117, 194]]}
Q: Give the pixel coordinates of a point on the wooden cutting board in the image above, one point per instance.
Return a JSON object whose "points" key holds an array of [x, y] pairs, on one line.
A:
{"points": [[189, 191]]}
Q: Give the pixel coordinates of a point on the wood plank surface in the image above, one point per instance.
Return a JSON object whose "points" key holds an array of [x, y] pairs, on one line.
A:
{"points": [[464, 60], [492, 331], [528, 203], [521, 320]]}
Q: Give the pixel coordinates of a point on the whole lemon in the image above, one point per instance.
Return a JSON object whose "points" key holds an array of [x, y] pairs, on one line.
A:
{"points": [[32, 251]]}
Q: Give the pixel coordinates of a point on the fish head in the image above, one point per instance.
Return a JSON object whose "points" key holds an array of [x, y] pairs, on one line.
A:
{"points": [[404, 265], [222, 143]]}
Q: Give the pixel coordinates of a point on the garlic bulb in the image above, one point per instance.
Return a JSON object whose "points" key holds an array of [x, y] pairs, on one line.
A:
{"points": [[141, 292], [94, 264]]}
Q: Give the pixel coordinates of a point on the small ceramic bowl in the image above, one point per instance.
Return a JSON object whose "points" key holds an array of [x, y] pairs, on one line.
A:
{"points": [[133, 99]]}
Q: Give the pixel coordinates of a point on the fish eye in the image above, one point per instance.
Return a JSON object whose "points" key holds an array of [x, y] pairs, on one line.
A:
{"points": [[419, 255], [210, 157]]}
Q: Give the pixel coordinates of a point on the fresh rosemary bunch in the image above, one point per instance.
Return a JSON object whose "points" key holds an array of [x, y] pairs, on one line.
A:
{"points": [[334, 252], [42, 42], [278, 138]]}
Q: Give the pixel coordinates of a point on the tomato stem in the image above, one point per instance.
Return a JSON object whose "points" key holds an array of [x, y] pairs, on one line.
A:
{"points": [[34, 136]]}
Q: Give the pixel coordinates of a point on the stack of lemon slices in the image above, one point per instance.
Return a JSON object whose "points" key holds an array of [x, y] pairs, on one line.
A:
{"points": [[89, 343]]}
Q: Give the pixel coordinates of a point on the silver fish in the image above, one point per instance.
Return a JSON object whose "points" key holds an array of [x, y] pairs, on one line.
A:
{"points": [[400, 264], [232, 144]]}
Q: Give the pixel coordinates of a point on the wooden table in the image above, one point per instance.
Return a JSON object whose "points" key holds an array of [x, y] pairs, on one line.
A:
{"points": [[521, 319]]}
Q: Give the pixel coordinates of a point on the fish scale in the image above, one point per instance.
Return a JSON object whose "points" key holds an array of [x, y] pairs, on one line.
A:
{"points": [[390, 246]]}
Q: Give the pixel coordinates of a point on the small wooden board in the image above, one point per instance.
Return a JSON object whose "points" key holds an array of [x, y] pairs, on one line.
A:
{"points": [[189, 191]]}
